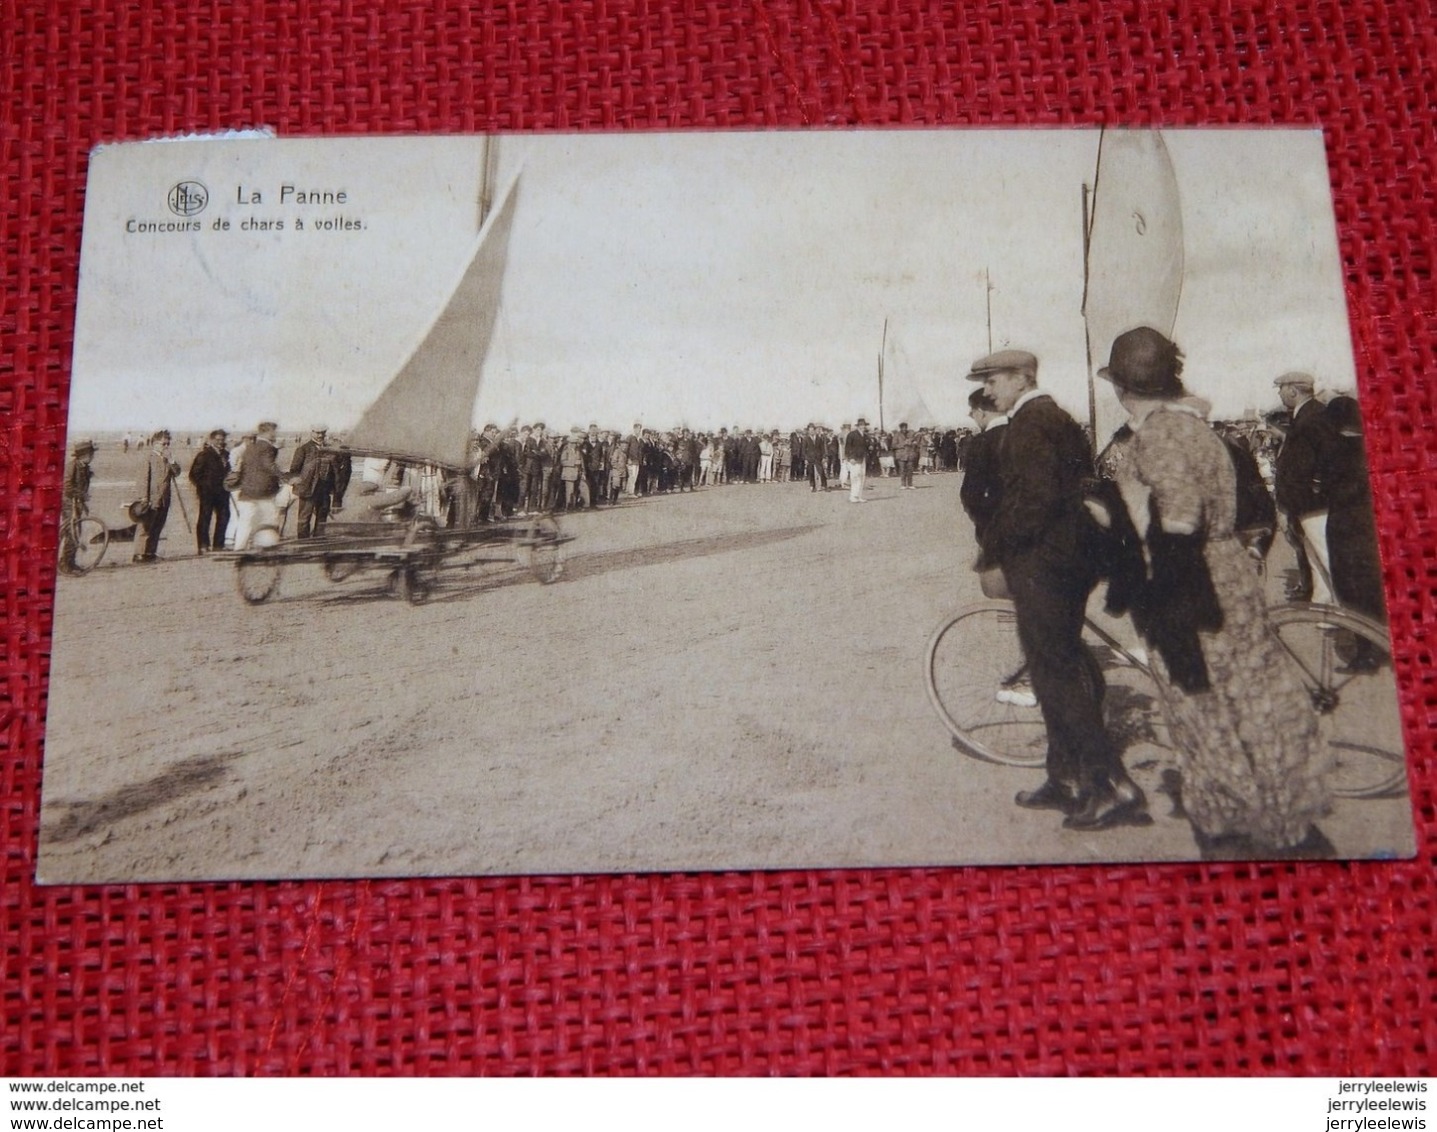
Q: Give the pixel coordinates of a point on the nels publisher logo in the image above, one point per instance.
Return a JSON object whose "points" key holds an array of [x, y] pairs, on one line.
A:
{"points": [[188, 198]]}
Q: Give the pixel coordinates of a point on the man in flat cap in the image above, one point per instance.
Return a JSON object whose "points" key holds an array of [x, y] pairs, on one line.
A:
{"points": [[1298, 482], [256, 479], [905, 455], [314, 475], [207, 472], [75, 498], [153, 494], [1035, 539]]}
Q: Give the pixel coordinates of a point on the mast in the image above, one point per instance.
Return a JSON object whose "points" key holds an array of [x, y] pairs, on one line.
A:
{"points": [[488, 175], [1133, 253], [882, 349], [1088, 338], [425, 412], [988, 294]]}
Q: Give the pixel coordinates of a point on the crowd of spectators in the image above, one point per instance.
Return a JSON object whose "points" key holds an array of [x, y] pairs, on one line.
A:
{"points": [[531, 469]]}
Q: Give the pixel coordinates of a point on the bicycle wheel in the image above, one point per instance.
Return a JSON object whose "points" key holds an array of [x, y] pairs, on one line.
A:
{"points": [[1344, 661], [976, 682], [412, 582], [83, 545], [256, 578], [337, 569], [976, 679], [542, 549]]}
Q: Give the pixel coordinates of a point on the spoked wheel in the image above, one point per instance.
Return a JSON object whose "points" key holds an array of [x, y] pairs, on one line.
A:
{"points": [[337, 569], [257, 578], [412, 583], [83, 545], [542, 549], [977, 681], [1344, 661]]}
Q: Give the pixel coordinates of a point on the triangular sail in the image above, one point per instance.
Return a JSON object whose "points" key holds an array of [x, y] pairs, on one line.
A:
{"points": [[903, 400], [1134, 255], [427, 409]]}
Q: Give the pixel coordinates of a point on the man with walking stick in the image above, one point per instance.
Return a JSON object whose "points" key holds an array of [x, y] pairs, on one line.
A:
{"points": [[207, 472], [151, 507]]}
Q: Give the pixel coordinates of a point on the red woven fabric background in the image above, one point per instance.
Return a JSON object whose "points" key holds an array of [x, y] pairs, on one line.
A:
{"points": [[1292, 968]]}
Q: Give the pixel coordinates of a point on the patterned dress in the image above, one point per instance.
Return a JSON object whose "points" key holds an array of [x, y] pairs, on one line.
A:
{"points": [[1249, 752]]}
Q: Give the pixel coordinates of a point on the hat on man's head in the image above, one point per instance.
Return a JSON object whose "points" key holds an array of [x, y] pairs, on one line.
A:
{"points": [[82, 446], [218, 434], [319, 429], [980, 400], [860, 423], [1295, 378], [1145, 362], [1344, 414], [1004, 361]]}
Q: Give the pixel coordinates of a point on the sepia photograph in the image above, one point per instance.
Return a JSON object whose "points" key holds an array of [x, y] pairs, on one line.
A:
{"points": [[485, 505]]}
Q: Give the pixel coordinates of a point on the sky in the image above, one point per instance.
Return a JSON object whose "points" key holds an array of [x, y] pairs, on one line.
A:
{"points": [[706, 279]]}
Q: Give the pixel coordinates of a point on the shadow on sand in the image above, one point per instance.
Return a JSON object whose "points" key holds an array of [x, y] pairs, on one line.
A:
{"points": [[83, 818]]}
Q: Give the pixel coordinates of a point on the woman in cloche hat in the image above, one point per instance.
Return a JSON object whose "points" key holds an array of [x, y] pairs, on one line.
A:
{"points": [[1253, 769]]}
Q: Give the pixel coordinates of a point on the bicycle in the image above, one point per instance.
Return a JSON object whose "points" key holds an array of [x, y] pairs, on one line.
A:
{"points": [[975, 677], [83, 541]]}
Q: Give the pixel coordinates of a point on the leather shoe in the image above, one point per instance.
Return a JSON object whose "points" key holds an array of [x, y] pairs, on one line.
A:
{"points": [[1122, 803], [1050, 796]]}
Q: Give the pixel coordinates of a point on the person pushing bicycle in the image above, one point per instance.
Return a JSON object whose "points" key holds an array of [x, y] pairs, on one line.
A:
{"points": [[75, 497]]}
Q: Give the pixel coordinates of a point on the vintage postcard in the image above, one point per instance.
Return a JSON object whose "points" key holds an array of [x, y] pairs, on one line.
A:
{"points": [[553, 504]]}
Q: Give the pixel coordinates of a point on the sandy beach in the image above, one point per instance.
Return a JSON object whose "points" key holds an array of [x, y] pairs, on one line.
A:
{"points": [[727, 679]]}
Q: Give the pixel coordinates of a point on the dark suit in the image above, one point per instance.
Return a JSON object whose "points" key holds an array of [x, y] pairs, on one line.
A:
{"points": [[1297, 477], [815, 452], [1352, 530], [313, 465], [981, 483], [1298, 483], [207, 473], [750, 459], [1035, 536], [531, 474]]}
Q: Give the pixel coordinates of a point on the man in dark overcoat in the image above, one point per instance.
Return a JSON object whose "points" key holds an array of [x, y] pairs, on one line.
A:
{"points": [[979, 492], [1035, 539], [207, 472], [815, 457], [313, 474], [1298, 483]]}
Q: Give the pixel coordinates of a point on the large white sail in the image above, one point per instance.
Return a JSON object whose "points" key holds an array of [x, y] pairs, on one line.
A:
{"points": [[1134, 255], [427, 409], [903, 399]]}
